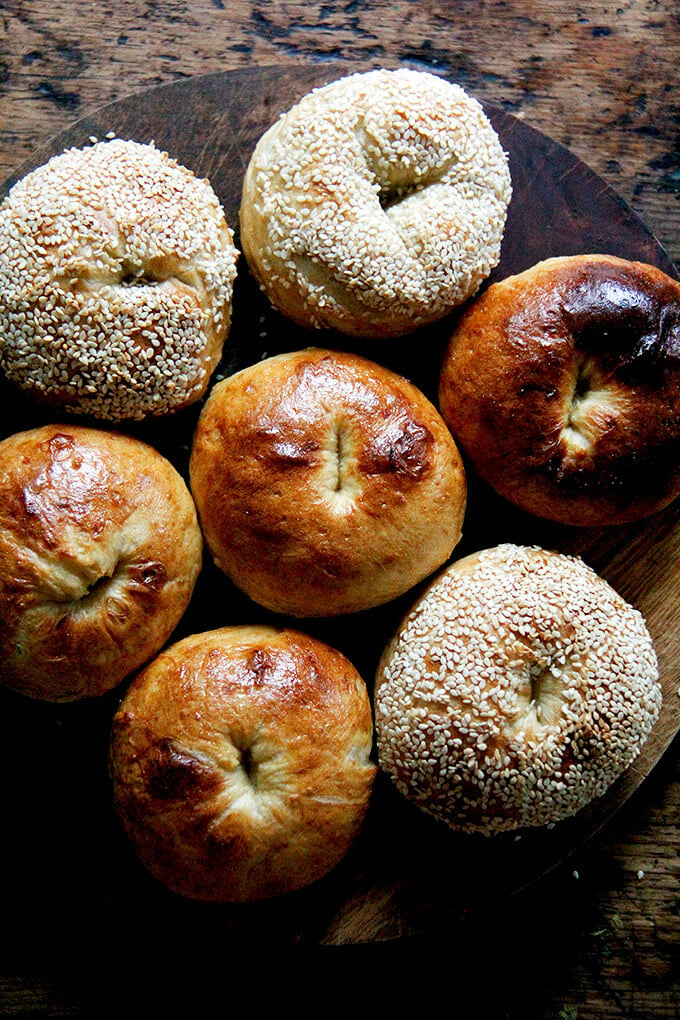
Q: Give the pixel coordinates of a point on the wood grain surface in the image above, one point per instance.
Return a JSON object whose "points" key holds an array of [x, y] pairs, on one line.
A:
{"points": [[603, 80]]}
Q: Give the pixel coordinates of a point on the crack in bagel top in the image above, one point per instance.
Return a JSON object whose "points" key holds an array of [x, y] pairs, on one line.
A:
{"points": [[382, 195]]}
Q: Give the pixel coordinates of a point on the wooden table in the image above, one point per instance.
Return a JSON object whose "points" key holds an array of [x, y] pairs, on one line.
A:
{"points": [[600, 937]]}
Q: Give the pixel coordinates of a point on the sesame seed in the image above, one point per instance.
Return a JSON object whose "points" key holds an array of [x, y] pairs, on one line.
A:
{"points": [[376, 204], [516, 628], [116, 275]]}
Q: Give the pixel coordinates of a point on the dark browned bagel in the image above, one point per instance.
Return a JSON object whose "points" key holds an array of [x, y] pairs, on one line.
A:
{"points": [[562, 385]]}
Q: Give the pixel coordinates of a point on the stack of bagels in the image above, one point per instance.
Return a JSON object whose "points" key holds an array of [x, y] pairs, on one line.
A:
{"points": [[520, 685]]}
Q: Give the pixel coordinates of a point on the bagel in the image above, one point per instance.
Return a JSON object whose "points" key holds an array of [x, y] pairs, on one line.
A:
{"points": [[325, 483], [99, 553], [116, 274], [376, 204], [562, 386], [518, 688], [240, 763]]}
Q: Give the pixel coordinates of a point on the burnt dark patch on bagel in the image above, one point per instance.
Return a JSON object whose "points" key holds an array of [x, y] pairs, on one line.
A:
{"points": [[148, 576], [629, 476], [404, 449], [171, 773], [260, 666], [635, 327]]}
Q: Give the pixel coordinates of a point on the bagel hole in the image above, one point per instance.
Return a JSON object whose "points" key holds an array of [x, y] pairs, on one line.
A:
{"points": [[133, 276], [339, 457], [545, 693], [583, 383], [154, 272], [583, 388], [390, 197], [98, 588], [248, 765], [137, 280], [339, 447]]}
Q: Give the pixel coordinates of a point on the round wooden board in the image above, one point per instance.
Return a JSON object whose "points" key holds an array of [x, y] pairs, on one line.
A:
{"points": [[75, 879]]}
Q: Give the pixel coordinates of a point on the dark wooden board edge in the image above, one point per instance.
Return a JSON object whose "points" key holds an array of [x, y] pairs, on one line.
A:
{"points": [[210, 124]]}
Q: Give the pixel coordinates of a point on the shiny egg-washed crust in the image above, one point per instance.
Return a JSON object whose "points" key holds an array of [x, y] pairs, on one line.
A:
{"points": [[376, 204], [562, 385], [116, 274], [519, 687], [325, 483], [99, 553], [240, 761]]}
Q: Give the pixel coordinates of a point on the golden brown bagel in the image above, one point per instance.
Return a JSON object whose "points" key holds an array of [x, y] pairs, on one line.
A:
{"points": [[99, 553], [518, 688], [562, 385], [325, 483], [116, 273], [240, 762], [376, 204]]}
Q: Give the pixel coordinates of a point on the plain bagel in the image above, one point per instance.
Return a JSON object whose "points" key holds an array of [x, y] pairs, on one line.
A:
{"points": [[99, 553], [240, 761], [325, 483], [116, 274], [562, 385], [376, 204]]}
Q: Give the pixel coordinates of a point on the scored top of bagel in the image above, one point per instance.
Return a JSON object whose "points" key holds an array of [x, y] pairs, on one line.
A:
{"points": [[325, 483]]}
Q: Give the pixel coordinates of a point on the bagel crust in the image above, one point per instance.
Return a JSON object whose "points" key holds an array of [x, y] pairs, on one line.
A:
{"points": [[325, 483], [99, 553], [518, 688], [240, 761], [376, 204], [562, 385], [116, 274]]}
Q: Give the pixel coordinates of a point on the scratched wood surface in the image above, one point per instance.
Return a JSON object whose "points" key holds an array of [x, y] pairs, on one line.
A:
{"points": [[605, 943]]}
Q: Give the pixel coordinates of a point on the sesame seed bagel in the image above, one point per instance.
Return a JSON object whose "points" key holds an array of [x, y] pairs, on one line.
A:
{"points": [[240, 761], [99, 553], [518, 688], [116, 274], [325, 483], [562, 385], [376, 204]]}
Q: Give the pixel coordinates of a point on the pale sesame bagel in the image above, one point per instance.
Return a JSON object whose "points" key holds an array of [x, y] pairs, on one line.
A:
{"points": [[562, 385], [116, 273], [377, 204], [99, 553], [325, 483], [240, 762], [518, 688]]}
